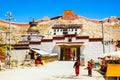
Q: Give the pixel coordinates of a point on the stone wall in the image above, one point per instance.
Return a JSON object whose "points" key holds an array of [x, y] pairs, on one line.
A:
{"points": [[19, 55]]}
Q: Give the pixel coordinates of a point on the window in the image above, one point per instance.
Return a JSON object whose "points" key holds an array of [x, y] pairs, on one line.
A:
{"points": [[69, 39], [72, 29], [54, 33], [54, 30], [75, 32], [69, 29], [29, 38], [75, 29]]}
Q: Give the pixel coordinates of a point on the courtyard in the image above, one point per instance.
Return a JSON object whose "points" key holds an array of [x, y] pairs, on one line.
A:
{"points": [[57, 70]]}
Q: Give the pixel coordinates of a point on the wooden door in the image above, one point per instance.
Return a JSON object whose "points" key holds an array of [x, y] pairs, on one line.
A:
{"points": [[67, 54]]}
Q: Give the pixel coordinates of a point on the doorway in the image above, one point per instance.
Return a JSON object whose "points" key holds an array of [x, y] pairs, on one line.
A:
{"points": [[69, 53]]}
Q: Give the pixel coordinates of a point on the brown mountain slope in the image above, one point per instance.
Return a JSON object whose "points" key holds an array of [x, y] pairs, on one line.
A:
{"points": [[92, 28]]}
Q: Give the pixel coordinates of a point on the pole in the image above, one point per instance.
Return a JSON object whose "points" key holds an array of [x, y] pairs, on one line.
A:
{"points": [[110, 36], [103, 37], [10, 18], [9, 42], [6, 47]]}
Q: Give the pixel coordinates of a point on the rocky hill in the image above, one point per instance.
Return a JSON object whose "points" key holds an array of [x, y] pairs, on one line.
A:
{"points": [[17, 30], [92, 28]]}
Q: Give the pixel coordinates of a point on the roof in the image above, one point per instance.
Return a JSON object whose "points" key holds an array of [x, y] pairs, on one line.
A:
{"points": [[41, 52], [21, 46], [35, 42], [63, 26], [56, 17], [70, 43]]}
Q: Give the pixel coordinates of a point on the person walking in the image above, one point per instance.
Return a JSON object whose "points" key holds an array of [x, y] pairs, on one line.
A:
{"points": [[76, 66], [92, 63], [89, 66], [36, 57]]}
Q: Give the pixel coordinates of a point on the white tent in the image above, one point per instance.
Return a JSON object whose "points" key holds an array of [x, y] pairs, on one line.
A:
{"points": [[41, 52], [116, 53], [112, 54]]}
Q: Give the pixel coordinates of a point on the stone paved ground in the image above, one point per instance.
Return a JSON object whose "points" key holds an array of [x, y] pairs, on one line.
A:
{"points": [[58, 70]]}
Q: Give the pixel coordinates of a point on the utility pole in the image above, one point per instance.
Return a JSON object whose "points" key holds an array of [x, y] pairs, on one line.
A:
{"points": [[103, 37], [110, 34], [10, 18]]}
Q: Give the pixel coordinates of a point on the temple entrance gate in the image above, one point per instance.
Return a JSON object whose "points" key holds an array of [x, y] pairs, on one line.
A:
{"points": [[70, 53], [69, 50]]}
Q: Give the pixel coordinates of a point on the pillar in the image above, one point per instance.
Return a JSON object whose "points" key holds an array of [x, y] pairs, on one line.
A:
{"points": [[78, 53], [61, 53]]}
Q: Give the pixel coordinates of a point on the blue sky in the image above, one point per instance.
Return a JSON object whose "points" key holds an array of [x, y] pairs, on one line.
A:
{"points": [[22, 10]]}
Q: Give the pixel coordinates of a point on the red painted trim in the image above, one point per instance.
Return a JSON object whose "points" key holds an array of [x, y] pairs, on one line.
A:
{"points": [[46, 40], [35, 42], [82, 37], [59, 38], [95, 39], [70, 35]]}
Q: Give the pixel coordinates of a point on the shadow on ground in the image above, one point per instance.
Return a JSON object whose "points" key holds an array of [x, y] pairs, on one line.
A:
{"points": [[77, 77], [67, 77], [101, 72]]}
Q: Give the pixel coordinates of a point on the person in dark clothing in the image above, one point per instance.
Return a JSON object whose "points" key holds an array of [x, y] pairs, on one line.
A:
{"points": [[31, 53], [38, 56], [89, 66], [32, 56], [76, 66], [92, 63]]}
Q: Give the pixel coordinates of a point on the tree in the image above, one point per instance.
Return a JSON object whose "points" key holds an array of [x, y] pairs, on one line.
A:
{"points": [[4, 48]]}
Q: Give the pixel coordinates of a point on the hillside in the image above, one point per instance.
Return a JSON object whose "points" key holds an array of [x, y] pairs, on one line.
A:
{"points": [[17, 30], [92, 28]]}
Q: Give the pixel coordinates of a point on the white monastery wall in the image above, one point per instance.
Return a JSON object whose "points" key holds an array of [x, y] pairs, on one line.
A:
{"points": [[81, 40], [47, 46], [33, 38], [92, 50], [109, 48]]}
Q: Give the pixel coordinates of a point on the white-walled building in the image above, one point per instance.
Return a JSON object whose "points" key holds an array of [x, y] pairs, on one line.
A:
{"points": [[65, 41], [61, 29], [32, 33], [66, 44]]}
